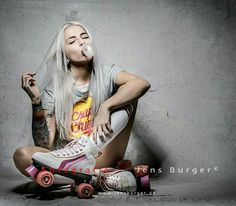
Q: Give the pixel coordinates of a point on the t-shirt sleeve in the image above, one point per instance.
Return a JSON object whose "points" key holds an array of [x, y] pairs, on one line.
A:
{"points": [[48, 98], [111, 75]]}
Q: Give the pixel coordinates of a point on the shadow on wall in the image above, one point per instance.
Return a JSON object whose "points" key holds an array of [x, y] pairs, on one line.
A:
{"points": [[142, 149]]}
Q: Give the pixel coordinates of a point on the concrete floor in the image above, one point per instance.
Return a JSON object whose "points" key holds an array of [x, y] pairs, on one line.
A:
{"points": [[18, 190]]}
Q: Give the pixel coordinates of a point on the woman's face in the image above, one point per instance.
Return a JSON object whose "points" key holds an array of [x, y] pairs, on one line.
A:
{"points": [[75, 37]]}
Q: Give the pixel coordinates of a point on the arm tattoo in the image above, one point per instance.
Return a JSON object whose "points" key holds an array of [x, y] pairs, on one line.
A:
{"points": [[40, 131], [29, 92]]}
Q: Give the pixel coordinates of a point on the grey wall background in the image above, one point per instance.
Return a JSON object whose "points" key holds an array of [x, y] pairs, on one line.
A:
{"points": [[186, 49]]}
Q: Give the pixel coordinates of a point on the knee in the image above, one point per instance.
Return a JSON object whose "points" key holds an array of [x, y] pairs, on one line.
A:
{"points": [[22, 159], [20, 155]]}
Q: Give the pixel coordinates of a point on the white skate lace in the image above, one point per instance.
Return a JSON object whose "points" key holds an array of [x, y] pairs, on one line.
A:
{"points": [[109, 182], [72, 148]]}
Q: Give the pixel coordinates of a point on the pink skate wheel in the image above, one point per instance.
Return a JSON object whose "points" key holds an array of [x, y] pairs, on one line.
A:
{"points": [[32, 171], [84, 191], [145, 183], [45, 178], [141, 170], [124, 165]]}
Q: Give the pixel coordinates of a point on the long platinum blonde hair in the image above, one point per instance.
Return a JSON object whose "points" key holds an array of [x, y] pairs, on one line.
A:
{"points": [[58, 71]]}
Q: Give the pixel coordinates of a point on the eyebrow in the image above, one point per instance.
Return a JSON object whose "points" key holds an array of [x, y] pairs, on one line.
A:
{"points": [[75, 36], [83, 33], [70, 38]]}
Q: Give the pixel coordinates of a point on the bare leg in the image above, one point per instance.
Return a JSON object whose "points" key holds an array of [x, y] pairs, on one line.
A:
{"points": [[115, 150], [111, 153], [23, 157]]}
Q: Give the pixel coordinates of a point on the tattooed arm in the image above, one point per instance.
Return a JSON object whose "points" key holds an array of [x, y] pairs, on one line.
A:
{"points": [[43, 127], [43, 121]]}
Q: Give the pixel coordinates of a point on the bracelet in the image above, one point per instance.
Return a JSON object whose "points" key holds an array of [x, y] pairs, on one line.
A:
{"points": [[37, 107]]}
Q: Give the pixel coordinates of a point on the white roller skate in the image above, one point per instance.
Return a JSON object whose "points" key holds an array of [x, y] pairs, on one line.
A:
{"points": [[111, 179], [76, 161]]}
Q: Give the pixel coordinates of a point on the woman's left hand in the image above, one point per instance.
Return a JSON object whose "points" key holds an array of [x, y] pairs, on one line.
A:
{"points": [[102, 126]]}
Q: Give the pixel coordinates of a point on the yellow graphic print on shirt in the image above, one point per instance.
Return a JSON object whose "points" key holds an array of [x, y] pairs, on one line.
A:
{"points": [[82, 120]]}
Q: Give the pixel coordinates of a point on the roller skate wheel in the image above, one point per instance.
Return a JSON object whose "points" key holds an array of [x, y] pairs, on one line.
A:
{"points": [[145, 183], [141, 170], [45, 178], [124, 165], [84, 191]]}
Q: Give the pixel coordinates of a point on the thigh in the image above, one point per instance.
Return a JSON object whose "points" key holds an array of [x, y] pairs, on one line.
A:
{"points": [[115, 150]]}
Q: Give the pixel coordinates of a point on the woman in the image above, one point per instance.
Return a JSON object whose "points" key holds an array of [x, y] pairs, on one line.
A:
{"points": [[84, 100]]}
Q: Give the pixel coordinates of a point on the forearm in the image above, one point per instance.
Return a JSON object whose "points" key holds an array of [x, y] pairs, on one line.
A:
{"points": [[40, 131], [127, 93]]}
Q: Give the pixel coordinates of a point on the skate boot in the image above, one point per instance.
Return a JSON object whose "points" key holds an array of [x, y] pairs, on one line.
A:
{"points": [[111, 179], [141, 173], [76, 161], [77, 156]]}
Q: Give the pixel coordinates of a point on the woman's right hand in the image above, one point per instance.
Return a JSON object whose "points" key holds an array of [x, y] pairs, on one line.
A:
{"points": [[28, 83]]}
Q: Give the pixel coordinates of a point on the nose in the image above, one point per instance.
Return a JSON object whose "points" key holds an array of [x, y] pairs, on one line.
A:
{"points": [[81, 43]]}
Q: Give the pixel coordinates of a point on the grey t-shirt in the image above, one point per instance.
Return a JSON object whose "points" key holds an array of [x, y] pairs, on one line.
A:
{"points": [[105, 74]]}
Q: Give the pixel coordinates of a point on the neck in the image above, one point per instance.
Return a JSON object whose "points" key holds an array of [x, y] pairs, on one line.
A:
{"points": [[81, 73]]}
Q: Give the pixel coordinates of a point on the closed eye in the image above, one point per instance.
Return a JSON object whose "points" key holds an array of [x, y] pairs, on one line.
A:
{"points": [[84, 35], [71, 42]]}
